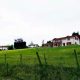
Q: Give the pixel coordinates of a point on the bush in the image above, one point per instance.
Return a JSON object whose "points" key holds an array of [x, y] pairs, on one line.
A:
{"points": [[10, 47]]}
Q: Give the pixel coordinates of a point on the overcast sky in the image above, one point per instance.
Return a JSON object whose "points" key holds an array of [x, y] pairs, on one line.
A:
{"points": [[37, 20]]}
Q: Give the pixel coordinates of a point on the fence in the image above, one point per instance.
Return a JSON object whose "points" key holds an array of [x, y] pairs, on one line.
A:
{"points": [[38, 71]]}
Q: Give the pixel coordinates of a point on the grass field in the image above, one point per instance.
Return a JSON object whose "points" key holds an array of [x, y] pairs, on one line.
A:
{"points": [[23, 64], [54, 56]]}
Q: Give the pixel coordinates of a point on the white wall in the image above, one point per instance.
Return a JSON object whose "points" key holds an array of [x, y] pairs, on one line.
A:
{"points": [[3, 48], [72, 40]]}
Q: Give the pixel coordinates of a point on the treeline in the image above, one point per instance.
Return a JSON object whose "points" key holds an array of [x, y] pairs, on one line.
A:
{"points": [[18, 44]]}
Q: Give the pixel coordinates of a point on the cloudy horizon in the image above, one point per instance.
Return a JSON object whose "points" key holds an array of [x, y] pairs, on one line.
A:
{"points": [[37, 20]]}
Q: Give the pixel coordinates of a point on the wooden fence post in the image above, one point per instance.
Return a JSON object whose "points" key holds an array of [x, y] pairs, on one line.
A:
{"points": [[40, 63], [7, 69], [45, 60], [76, 58], [41, 66], [21, 59], [5, 58]]}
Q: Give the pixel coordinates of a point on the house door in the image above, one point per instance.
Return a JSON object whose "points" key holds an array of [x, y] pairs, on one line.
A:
{"points": [[63, 44]]}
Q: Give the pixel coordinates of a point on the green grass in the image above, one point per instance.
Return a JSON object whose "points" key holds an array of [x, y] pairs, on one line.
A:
{"points": [[54, 56], [62, 57]]}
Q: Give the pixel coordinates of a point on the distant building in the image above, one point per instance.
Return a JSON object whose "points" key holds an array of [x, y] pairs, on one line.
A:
{"points": [[32, 45], [68, 40], [48, 44], [3, 47]]}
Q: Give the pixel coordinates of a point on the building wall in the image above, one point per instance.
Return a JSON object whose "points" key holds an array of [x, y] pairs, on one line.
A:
{"points": [[57, 43], [72, 40], [67, 41], [3, 48]]}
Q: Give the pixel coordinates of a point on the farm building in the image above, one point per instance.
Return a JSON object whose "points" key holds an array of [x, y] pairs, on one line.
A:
{"points": [[68, 40], [32, 45], [3, 47]]}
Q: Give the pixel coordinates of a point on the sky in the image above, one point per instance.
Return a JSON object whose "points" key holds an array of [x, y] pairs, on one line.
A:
{"points": [[38, 20]]}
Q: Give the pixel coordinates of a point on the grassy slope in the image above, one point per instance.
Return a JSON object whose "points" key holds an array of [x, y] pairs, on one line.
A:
{"points": [[55, 56]]}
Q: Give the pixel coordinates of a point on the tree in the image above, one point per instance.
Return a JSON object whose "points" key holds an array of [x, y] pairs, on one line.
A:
{"points": [[43, 44], [10, 47], [19, 44], [49, 43], [75, 33]]}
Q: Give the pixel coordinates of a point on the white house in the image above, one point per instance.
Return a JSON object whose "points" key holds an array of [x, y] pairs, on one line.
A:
{"points": [[68, 40], [3, 47], [32, 45]]}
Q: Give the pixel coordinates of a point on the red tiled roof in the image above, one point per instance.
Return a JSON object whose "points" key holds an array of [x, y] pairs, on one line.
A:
{"points": [[66, 37]]}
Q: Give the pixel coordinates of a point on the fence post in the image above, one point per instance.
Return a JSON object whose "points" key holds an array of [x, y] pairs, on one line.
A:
{"points": [[7, 69], [5, 58], [21, 59], [41, 66], [40, 63], [76, 58], [35, 69], [45, 60]]}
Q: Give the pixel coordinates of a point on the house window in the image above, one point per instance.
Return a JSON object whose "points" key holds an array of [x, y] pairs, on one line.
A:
{"points": [[68, 38]]}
